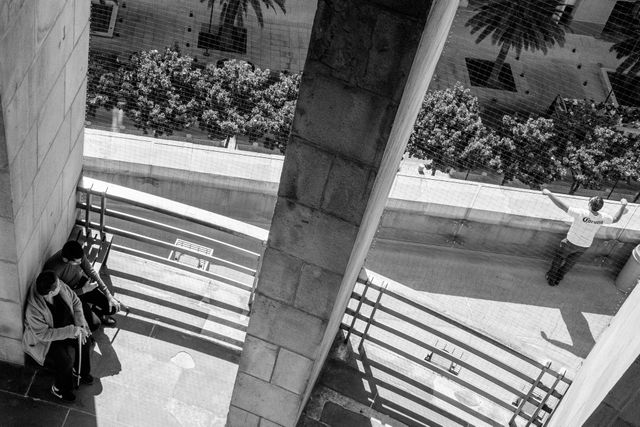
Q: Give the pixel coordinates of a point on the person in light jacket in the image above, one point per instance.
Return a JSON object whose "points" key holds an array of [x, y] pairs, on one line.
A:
{"points": [[53, 322]]}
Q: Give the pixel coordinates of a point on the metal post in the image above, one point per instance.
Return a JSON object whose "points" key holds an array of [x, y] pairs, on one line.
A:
{"points": [[355, 315], [373, 312], [525, 399], [103, 208], [87, 212], [255, 277], [546, 397]]}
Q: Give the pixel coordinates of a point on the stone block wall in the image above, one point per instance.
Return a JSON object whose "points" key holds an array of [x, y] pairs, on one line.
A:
{"points": [[43, 46], [352, 95]]}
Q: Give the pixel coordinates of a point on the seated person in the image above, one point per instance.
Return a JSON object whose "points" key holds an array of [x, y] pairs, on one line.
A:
{"points": [[72, 267], [53, 322]]}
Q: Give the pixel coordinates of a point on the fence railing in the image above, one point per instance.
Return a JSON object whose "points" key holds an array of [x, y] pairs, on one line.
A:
{"points": [[95, 200], [506, 378]]}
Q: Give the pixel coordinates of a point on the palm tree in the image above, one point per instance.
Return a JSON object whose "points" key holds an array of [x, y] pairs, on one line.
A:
{"points": [[234, 11], [629, 48], [519, 24]]}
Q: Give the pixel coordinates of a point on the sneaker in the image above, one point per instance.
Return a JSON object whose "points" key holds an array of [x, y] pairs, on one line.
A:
{"points": [[550, 281], [108, 321], [67, 396]]}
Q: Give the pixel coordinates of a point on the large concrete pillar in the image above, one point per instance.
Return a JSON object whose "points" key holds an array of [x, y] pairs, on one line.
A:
{"points": [[43, 65], [606, 391], [369, 64]]}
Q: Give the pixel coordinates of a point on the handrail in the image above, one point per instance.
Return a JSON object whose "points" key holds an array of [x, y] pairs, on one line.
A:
{"points": [[106, 191], [467, 329], [156, 242], [484, 365], [172, 208], [164, 227], [470, 349]]}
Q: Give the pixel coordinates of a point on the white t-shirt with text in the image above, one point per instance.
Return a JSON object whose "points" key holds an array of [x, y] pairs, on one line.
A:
{"points": [[585, 226]]}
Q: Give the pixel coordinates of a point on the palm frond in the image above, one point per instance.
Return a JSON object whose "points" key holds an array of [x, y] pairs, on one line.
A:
{"points": [[630, 50], [522, 24]]}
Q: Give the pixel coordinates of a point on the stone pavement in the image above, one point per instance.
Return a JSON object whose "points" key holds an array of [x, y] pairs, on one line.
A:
{"points": [[144, 25], [172, 361], [572, 71]]}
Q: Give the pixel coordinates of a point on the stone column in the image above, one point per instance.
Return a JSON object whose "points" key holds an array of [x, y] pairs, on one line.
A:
{"points": [[369, 64], [606, 390], [44, 47]]}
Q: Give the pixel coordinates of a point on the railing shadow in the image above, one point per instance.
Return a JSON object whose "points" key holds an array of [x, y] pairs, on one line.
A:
{"points": [[350, 380], [174, 290], [154, 330]]}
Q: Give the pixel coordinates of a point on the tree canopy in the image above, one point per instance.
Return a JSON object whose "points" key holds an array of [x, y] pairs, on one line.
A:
{"points": [[164, 92], [450, 133]]}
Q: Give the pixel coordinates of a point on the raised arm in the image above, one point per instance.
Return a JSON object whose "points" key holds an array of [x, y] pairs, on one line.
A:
{"points": [[559, 203], [621, 211]]}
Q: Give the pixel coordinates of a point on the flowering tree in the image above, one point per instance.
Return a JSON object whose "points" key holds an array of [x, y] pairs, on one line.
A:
{"points": [[102, 82], [227, 95], [450, 133], [273, 114], [158, 91], [527, 153], [589, 139]]}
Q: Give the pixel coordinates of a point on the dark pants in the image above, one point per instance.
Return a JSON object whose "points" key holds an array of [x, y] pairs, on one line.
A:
{"points": [[565, 258], [62, 359], [95, 302]]}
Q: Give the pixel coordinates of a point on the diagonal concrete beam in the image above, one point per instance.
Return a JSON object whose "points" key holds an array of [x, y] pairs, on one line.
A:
{"points": [[369, 65]]}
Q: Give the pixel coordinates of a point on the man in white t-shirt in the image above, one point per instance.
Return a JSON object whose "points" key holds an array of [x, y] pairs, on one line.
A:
{"points": [[586, 223]]}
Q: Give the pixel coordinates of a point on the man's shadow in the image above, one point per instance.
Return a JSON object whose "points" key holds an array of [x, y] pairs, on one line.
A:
{"points": [[577, 326]]}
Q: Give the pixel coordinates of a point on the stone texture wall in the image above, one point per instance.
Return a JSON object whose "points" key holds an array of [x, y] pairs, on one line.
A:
{"points": [[359, 59], [43, 46]]}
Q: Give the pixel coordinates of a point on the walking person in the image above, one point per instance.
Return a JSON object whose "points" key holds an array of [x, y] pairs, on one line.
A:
{"points": [[586, 223], [56, 333], [72, 267]]}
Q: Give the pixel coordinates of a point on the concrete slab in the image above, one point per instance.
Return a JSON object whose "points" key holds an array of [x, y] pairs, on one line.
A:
{"points": [[16, 379], [17, 411]]}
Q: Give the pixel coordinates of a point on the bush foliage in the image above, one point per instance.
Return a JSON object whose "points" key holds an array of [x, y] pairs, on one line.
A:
{"points": [[163, 92]]}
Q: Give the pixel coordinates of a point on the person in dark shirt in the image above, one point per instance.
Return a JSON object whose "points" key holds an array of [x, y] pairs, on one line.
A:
{"points": [[72, 267], [53, 322]]}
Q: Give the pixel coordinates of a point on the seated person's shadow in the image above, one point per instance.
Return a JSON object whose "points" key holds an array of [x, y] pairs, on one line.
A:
{"points": [[104, 358]]}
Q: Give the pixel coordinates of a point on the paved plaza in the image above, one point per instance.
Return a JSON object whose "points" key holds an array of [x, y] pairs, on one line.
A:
{"points": [[173, 359]]}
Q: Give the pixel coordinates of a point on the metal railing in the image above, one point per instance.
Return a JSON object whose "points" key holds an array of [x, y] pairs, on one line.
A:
{"points": [[95, 212], [530, 389]]}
